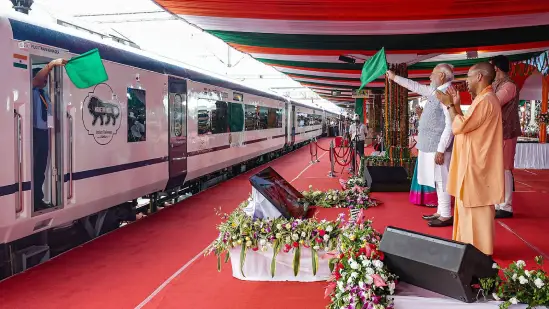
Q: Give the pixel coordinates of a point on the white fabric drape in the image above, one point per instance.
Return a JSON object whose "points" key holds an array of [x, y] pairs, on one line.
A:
{"points": [[532, 156], [257, 266]]}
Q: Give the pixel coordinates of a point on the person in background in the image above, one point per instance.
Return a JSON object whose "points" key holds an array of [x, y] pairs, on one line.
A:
{"points": [[476, 173], [434, 140], [42, 109], [422, 195], [357, 131], [508, 94]]}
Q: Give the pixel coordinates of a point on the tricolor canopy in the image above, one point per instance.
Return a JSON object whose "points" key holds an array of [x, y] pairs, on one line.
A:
{"points": [[306, 38]]}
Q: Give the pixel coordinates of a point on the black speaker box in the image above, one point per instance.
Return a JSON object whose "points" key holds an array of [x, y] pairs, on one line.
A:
{"points": [[443, 266], [386, 179]]}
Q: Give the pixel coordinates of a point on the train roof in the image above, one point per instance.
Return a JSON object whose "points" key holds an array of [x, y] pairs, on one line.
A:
{"points": [[78, 42]]}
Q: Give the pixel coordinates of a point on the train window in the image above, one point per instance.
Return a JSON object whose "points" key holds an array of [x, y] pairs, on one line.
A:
{"points": [[213, 117], [137, 115], [177, 116], [272, 118], [263, 117], [252, 119], [302, 120], [236, 117], [279, 118], [220, 118]]}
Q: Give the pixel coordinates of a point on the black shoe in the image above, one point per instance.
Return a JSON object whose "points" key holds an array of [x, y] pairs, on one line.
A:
{"points": [[429, 217], [502, 214], [41, 205], [441, 223]]}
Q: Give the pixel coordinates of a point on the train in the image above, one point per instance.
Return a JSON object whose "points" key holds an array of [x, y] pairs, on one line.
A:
{"points": [[156, 129]]}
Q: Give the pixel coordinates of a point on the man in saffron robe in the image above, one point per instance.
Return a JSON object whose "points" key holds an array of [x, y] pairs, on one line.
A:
{"points": [[476, 170]]}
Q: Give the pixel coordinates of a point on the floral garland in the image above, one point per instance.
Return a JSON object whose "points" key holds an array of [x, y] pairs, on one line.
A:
{"points": [[361, 279], [519, 285], [543, 118], [356, 197], [281, 234]]}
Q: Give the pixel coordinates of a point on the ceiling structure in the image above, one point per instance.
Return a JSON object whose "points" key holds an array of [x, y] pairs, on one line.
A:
{"points": [[305, 39]]}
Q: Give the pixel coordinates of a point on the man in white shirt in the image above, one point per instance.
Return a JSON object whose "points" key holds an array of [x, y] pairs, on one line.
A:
{"points": [[358, 130], [435, 139]]}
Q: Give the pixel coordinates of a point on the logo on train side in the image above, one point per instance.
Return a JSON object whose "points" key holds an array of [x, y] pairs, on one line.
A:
{"points": [[101, 114]]}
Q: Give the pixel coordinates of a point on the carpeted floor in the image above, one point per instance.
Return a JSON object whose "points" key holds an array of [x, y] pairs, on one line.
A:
{"points": [[124, 268]]}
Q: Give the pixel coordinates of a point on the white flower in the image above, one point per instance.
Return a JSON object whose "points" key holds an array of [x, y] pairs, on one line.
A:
{"points": [[310, 186], [523, 280], [527, 273], [262, 242], [329, 228], [495, 296], [513, 301], [355, 265], [378, 264], [514, 277], [249, 243], [539, 283], [354, 274], [392, 287], [370, 271], [279, 226], [288, 226], [316, 247], [278, 235], [495, 266], [368, 279], [295, 237], [520, 263], [361, 285], [340, 285], [326, 237], [303, 234]]}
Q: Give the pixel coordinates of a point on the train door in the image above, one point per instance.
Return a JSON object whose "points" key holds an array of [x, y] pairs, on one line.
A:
{"points": [[286, 126], [293, 119], [177, 109], [48, 137]]}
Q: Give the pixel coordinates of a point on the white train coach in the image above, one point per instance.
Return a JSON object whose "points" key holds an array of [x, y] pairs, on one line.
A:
{"points": [[155, 129]]}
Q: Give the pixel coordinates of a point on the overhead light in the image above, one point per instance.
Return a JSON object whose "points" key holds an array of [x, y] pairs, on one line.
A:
{"points": [[347, 59], [473, 54]]}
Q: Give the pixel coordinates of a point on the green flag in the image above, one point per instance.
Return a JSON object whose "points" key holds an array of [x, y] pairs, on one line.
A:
{"points": [[373, 68], [86, 70]]}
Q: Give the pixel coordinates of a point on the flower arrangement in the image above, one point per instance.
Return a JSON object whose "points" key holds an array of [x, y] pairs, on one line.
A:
{"points": [[281, 234], [543, 118], [361, 279], [354, 197], [519, 285], [352, 182]]}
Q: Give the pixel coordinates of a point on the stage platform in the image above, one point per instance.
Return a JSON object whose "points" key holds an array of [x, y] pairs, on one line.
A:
{"points": [[158, 262]]}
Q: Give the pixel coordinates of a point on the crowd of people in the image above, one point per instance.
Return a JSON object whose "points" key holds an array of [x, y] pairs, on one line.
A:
{"points": [[469, 157]]}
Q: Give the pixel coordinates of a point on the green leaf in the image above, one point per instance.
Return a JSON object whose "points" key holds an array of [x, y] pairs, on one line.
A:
{"points": [[332, 263], [242, 259], [227, 257], [276, 249], [315, 260], [297, 260], [218, 262]]}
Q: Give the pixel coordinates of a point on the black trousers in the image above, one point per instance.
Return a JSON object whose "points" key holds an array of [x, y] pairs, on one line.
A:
{"points": [[40, 143]]}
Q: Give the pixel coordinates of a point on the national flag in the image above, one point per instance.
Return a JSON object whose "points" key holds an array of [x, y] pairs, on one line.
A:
{"points": [[86, 70], [373, 68], [20, 61]]}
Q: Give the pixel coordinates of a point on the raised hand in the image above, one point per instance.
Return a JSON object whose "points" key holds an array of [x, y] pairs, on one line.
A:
{"points": [[390, 74]]}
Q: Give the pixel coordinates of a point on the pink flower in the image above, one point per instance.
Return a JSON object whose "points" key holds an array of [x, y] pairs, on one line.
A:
{"points": [[329, 289], [378, 281]]}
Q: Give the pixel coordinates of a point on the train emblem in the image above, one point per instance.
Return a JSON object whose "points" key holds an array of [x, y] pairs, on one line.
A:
{"points": [[101, 114]]}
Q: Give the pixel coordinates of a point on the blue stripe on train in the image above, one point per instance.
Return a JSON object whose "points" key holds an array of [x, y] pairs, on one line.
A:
{"points": [[13, 188], [28, 32]]}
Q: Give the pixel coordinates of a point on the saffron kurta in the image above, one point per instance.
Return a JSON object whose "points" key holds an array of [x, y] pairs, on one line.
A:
{"points": [[476, 171]]}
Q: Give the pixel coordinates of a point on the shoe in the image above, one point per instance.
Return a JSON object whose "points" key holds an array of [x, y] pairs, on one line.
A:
{"points": [[41, 205], [441, 223], [502, 214], [429, 217]]}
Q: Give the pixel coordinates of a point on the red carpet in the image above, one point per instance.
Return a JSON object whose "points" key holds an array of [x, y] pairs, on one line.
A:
{"points": [[123, 268]]}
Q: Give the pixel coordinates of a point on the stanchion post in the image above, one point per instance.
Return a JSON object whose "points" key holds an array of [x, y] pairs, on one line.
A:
{"points": [[332, 160]]}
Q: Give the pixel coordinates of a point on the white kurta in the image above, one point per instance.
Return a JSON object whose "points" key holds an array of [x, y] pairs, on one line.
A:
{"points": [[428, 172]]}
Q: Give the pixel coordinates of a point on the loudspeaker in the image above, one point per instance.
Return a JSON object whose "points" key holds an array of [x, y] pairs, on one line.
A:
{"points": [[386, 179], [443, 266]]}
